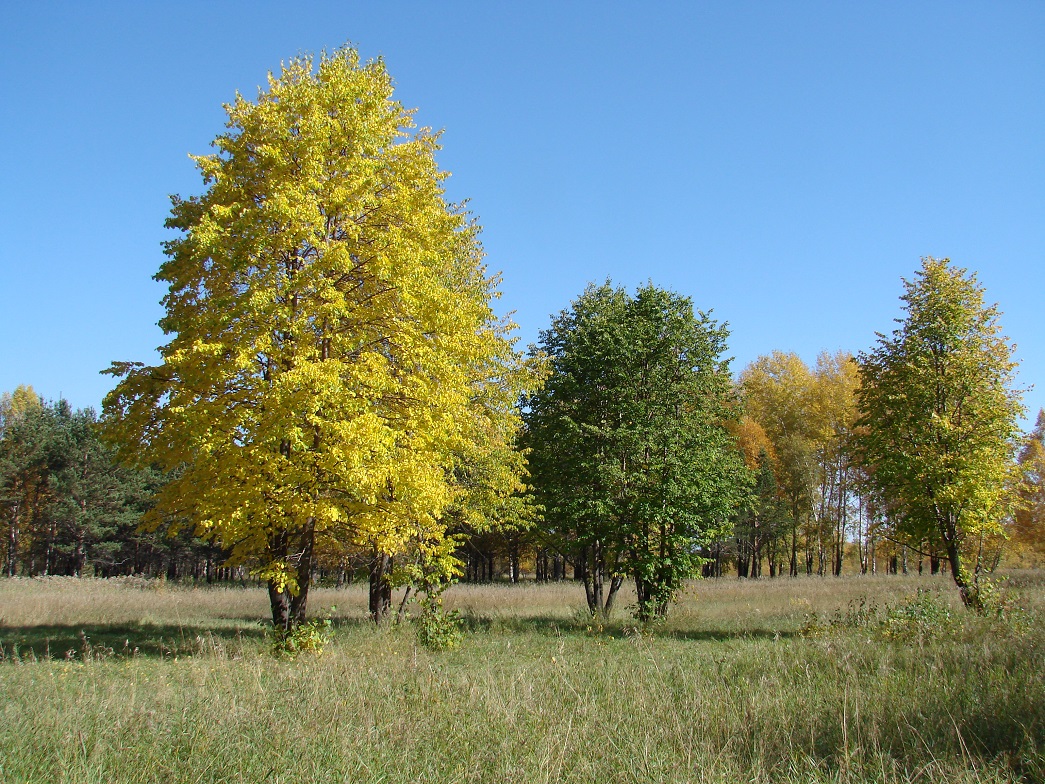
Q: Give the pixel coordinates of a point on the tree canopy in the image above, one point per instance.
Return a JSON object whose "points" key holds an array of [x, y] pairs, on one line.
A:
{"points": [[631, 456], [332, 354], [939, 416]]}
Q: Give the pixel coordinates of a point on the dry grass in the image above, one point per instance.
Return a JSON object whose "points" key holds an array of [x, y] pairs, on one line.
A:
{"points": [[47, 615], [726, 603], [726, 691]]}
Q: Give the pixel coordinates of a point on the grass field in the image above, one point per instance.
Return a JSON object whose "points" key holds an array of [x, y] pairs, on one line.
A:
{"points": [[140, 682]]}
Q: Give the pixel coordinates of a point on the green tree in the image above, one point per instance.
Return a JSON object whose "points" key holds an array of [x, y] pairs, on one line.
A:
{"points": [[332, 353], [94, 496], [26, 458], [631, 458], [69, 506], [939, 417]]}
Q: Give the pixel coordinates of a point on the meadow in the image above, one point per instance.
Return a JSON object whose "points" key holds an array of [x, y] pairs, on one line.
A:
{"points": [[796, 680]]}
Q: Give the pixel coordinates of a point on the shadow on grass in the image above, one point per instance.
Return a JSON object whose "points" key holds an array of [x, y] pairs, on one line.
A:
{"points": [[107, 641], [82, 642], [618, 629], [130, 640]]}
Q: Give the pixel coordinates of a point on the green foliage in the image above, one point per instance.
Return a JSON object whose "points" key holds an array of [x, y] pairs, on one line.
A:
{"points": [[630, 455], [923, 616], [311, 637], [437, 628], [432, 571], [68, 506], [859, 615], [996, 601], [938, 417]]}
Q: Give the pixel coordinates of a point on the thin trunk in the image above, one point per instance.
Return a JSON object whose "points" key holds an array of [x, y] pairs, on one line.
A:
{"points": [[299, 601], [615, 584], [966, 590], [947, 525], [279, 596], [12, 541], [794, 543], [513, 557], [380, 586]]}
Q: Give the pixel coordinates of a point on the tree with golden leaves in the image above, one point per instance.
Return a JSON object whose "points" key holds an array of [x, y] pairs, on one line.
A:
{"points": [[1027, 528], [779, 391], [939, 417], [332, 357]]}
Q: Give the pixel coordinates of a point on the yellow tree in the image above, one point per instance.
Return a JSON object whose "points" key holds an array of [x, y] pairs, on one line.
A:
{"points": [[833, 415], [332, 355], [779, 389], [1027, 528], [938, 417], [753, 442]]}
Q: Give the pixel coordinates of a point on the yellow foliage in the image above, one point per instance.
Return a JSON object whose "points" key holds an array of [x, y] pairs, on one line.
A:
{"points": [[1027, 527], [332, 349]]}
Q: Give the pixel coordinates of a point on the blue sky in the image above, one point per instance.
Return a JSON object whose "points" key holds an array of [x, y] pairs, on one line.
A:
{"points": [[784, 164]]}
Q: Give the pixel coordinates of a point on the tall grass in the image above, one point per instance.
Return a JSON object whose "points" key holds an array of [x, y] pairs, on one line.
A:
{"points": [[727, 690]]}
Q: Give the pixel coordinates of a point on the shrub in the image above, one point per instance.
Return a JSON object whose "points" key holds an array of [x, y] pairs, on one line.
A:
{"points": [[921, 616], [309, 637], [437, 629]]}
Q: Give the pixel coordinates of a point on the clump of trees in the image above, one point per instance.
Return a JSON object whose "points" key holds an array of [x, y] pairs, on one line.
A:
{"points": [[800, 423], [336, 397], [908, 450], [1027, 524], [70, 509]]}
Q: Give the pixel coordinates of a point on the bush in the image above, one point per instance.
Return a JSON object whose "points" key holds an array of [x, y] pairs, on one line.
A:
{"points": [[310, 637], [858, 615], [921, 616], [437, 629]]}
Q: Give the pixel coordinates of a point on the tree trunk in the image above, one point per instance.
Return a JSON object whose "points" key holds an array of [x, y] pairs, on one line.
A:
{"points": [[299, 601], [380, 586], [513, 559], [756, 553], [279, 601], [12, 542], [794, 547], [615, 584], [966, 589], [80, 557]]}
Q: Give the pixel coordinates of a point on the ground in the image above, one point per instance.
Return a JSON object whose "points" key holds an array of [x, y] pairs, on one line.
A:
{"points": [[810, 679]]}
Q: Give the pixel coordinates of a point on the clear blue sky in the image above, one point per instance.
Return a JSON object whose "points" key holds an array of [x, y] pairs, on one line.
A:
{"points": [[783, 164]]}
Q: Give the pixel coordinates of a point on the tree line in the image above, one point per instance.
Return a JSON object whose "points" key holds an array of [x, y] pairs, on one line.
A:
{"points": [[71, 509], [336, 398]]}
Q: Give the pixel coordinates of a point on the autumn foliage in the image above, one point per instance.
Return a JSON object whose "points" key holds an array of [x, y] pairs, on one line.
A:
{"points": [[332, 354]]}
